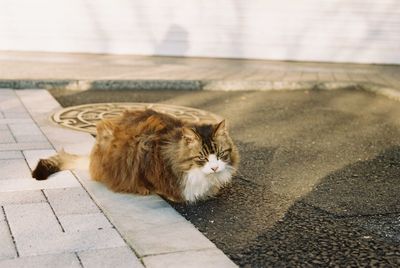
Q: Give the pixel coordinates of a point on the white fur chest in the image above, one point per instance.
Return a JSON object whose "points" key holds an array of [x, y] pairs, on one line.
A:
{"points": [[198, 185]]}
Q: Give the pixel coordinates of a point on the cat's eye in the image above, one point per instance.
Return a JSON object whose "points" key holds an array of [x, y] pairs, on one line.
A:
{"points": [[223, 154], [202, 158]]}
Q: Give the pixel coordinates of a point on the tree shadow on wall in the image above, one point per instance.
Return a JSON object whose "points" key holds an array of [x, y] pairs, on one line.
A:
{"points": [[175, 42]]}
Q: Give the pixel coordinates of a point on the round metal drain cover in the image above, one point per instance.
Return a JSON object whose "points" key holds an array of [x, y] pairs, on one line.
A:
{"points": [[84, 117]]}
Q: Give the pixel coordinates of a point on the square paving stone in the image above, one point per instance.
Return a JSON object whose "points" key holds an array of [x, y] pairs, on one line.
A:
{"points": [[14, 169], [6, 136], [180, 236], [25, 129], [21, 197], [81, 222], [111, 257], [71, 201], [11, 155], [59, 180], [67, 260]]}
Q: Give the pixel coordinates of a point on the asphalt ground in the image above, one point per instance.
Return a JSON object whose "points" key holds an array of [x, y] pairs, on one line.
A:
{"points": [[319, 176]]}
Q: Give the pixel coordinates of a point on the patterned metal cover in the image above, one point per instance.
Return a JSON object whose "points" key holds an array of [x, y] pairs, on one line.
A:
{"points": [[84, 117]]}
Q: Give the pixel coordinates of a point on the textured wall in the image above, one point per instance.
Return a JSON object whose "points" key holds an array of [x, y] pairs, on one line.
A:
{"points": [[314, 30]]}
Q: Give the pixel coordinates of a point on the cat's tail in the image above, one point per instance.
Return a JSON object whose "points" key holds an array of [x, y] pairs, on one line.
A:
{"points": [[58, 162]]}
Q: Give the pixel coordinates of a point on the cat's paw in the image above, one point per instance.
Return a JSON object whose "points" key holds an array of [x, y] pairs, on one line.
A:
{"points": [[143, 191]]}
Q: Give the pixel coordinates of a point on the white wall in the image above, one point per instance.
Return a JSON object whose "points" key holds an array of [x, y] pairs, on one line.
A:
{"points": [[366, 31]]}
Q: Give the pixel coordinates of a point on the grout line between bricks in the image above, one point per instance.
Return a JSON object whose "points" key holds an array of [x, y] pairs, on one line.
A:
{"points": [[79, 259], [9, 229], [52, 209], [12, 134]]}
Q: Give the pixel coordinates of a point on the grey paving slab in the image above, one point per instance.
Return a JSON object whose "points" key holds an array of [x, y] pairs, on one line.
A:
{"points": [[306, 76], [6, 136], [208, 258], [73, 200], [132, 212], [66, 260], [25, 129], [377, 79], [11, 155], [141, 217], [22, 116], [5, 121], [79, 222], [62, 179], [30, 138], [325, 76], [292, 76], [11, 104], [37, 102], [24, 146], [14, 169], [341, 76], [7, 248], [358, 77], [32, 221], [121, 257], [37, 231], [4, 92], [21, 197], [167, 239], [70, 242], [392, 81], [70, 140]]}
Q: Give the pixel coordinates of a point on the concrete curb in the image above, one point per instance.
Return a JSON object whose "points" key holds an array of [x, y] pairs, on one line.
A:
{"points": [[224, 85], [72, 84]]}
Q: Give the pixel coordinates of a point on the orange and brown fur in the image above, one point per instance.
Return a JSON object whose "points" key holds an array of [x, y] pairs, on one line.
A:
{"points": [[146, 152]]}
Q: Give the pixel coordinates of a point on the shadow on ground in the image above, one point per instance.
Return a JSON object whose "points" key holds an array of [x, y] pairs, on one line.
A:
{"points": [[351, 218]]}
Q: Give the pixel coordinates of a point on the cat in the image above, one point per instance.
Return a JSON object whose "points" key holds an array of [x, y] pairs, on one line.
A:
{"points": [[145, 152]]}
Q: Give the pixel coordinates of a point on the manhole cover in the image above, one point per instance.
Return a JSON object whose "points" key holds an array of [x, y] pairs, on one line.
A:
{"points": [[84, 117]]}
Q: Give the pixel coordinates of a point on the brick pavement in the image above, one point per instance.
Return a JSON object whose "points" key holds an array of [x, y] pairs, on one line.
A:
{"points": [[50, 223]]}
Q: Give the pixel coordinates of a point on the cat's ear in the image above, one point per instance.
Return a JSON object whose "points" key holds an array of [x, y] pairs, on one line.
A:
{"points": [[220, 128], [189, 134]]}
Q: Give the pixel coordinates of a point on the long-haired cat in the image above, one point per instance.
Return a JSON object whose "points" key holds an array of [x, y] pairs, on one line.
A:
{"points": [[146, 152]]}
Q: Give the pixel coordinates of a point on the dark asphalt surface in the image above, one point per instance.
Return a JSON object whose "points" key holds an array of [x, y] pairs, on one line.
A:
{"points": [[319, 177]]}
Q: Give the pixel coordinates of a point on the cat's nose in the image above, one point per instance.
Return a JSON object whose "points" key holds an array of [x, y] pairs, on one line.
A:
{"points": [[214, 169]]}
